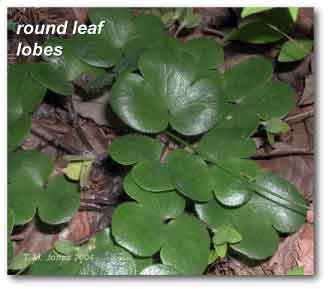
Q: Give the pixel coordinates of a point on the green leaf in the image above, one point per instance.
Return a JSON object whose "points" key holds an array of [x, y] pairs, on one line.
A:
{"points": [[296, 271], [73, 170], [253, 10], [286, 217], [24, 96], [206, 52], [226, 234], [103, 238], [169, 91], [221, 250], [212, 257], [158, 270], [59, 202], [271, 138], [294, 12], [52, 264], [29, 165], [259, 214], [191, 19], [68, 61], [18, 131], [22, 197], [259, 31], [190, 175], [241, 168], [137, 228], [85, 173], [130, 35], [109, 261], [254, 245], [136, 105], [149, 33], [228, 189], [152, 176], [142, 263], [186, 245], [295, 50], [275, 99], [134, 148], [167, 204], [10, 221], [95, 50], [119, 27], [261, 99], [27, 175], [223, 143], [24, 93], [10, 250], [51, 78], [276, 126], [21, 261], [65, 247], [238, 116], [245, 77]]}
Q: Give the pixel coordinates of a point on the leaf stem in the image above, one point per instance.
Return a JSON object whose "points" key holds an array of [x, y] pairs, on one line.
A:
{"points": [[275, 28], [257, 187], [180, 140], [84, 157]]}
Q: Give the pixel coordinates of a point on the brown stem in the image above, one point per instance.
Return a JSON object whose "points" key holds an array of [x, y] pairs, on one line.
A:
{"points": [[282, 153], [180, 27], [214, 32], [300, 116]]}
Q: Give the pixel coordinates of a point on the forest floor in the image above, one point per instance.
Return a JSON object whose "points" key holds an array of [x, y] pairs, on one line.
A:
{"points": [[292, 157]]}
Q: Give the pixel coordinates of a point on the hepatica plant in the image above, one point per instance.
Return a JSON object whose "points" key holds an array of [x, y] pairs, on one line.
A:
{"points": [[184, 203]]}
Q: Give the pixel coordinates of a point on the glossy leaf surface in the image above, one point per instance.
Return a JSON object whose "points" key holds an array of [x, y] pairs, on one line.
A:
{"points": [[134, 148], [186, 245], [190, 175], [152, 176], [168, 91], [168, 204], [137, 228]]}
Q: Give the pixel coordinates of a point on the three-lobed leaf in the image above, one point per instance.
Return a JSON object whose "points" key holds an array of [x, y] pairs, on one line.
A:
{"points": [[28, 190], [262, 213], [170, 90]]}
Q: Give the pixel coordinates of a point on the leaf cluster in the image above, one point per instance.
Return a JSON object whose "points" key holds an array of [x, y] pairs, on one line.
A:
{"points": [[183, 205]]}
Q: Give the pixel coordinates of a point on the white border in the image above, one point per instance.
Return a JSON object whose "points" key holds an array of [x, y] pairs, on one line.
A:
{"points": [[321, 278]]}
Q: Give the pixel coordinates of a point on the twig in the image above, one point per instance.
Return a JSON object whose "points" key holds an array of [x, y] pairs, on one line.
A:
{"points": [[300, 116], [214, 32], [282, 153], [180, 27]]}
